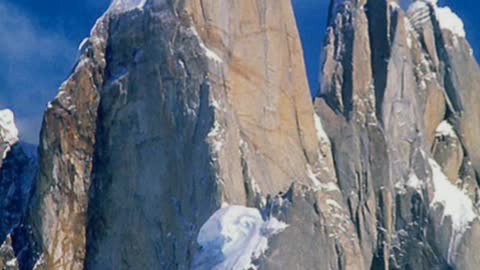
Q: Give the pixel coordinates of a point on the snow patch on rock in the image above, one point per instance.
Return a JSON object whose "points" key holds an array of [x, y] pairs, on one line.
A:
{"points": [[211, 54], [414, 182], [327, 187], [208, 52], [83, 45], [321, 134], [11, 263], [394, 6], [445, 129], [120, 6], [334, 204], [8, 130], [450, 21], [215, 135], [313, 176], [232, 237], [456, 205]]}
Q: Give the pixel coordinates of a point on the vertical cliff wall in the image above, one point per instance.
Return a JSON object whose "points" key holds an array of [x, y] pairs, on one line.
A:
{"points": [[390, 90]]}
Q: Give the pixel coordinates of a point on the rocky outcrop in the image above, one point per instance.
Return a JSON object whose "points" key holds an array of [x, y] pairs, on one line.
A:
{"points": [[58, 214], [386, 90], [313, 217], [448, 151], [8, 260]]}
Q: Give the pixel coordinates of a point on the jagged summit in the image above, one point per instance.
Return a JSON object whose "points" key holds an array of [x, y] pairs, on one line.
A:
{"points": [[119, 6]]}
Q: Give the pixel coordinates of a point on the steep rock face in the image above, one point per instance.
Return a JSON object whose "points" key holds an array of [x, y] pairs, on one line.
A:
{"points": [[349, 115], [260, 48], [406, 64], [58, 211], [175, 109], [461, 76], [448, 151], [313, 217]]}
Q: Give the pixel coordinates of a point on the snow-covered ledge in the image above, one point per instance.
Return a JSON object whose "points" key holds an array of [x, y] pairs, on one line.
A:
{"points": [[456, 205], [8, 131]]}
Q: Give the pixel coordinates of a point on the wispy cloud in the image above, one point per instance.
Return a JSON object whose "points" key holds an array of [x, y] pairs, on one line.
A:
{"points": [[33, 63]]}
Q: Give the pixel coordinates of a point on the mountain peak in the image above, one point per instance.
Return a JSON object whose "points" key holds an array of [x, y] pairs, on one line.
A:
{"points": [[120, 6]]}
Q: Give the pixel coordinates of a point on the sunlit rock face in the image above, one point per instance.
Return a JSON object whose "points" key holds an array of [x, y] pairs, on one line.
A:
{"points": [[395, 102]]}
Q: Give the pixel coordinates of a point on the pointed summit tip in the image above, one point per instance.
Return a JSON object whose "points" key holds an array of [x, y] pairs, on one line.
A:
{"points": [[121, 6]]}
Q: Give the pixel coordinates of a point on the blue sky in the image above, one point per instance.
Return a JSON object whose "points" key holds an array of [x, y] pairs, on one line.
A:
{"points": [[40, 39], [39, 47]]}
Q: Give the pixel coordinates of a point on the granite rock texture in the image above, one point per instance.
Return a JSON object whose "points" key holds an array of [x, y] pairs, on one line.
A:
{"points": [[176, 109], [392, 88]]}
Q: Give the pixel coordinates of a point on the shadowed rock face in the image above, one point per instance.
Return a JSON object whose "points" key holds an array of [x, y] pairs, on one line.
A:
{"points": [[178, 108], [16, 178], [8, 260], [17, 172]]}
